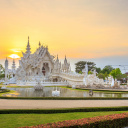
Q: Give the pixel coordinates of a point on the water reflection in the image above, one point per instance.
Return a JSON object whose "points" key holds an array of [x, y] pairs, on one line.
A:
{"points": [[64, 92]]}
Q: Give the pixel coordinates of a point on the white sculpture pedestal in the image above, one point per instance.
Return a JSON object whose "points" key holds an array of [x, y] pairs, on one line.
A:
{"points": [[56, 92]]}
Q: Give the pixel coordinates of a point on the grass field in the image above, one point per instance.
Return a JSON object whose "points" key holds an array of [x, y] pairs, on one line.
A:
{"points": [[10, 92], [98, 90], [20, 120], [19, 86]]}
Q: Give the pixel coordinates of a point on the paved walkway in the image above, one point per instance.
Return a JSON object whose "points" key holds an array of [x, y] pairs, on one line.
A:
{"points": [[47, 104]]}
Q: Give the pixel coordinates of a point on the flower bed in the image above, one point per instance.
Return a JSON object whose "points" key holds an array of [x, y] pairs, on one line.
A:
{"points": [[108, 121]]}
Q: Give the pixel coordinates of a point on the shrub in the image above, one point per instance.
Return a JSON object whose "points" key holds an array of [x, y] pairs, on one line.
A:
{"points": [[66, 110], [108, 121]]}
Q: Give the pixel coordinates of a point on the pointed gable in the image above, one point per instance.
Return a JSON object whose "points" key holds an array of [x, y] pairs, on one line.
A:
{"points": [[47, 56]]}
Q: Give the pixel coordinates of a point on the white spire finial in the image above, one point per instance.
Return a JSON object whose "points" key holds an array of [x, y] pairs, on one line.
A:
{"points": [[57, 56], [65, 61], [28, 41], [28, 47], [39, 44]]}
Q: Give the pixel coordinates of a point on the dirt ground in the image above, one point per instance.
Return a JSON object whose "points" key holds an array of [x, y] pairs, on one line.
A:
{"points": [[47, 104]]}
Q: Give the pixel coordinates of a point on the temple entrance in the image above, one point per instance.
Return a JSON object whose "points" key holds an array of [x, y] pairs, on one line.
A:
{"points": [[43, 71], [55, 80]]}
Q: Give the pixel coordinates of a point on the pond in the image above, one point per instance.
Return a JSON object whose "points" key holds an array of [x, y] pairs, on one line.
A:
{"points": [[64, 92]]}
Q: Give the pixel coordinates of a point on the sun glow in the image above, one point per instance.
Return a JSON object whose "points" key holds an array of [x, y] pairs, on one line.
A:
{"points": [[14, 56]]}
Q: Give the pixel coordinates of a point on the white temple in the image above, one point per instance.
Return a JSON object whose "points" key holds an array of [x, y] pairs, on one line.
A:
{"points": [[42, 67], [37, 66]]}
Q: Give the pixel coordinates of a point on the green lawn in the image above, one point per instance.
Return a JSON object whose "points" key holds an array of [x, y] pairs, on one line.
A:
{"points": [[19, 86], [12, 86], [97, 90], [20, 120], [8, 92]]}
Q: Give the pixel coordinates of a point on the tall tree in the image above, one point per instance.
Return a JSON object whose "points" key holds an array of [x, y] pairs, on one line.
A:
{"points": [[101, 76], [115, 73], [106, 75], [2, 71], [81, 65], [107, 69], [98, 70]]}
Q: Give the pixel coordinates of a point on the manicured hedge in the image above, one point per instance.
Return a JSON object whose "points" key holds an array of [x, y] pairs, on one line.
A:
{"points": [[68, 110], [108, 121], [66, 98]]}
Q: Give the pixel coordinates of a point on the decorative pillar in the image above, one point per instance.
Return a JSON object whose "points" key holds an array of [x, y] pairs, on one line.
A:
{"points": [[6, 70]]}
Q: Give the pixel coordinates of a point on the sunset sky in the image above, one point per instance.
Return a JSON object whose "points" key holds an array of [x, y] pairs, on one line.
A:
{"points": [[81, 29]]}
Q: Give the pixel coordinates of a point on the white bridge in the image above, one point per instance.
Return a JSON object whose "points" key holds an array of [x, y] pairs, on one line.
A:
{"points": [[44, 83], [64, 79], [72, 79]]}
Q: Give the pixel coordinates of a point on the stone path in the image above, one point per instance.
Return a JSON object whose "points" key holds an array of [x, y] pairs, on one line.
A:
{"points": [[47, 104]]}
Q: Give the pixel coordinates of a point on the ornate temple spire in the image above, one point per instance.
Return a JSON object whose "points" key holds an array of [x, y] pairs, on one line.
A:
{"points": [[57, 58], [28, 41], [6, 59], [47, 47], [28, 47], [6, 69], [65, 61], [13, 64], [6, 63], [39, 44]]}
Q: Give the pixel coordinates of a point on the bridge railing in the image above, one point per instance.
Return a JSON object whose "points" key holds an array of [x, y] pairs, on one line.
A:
{"points": [[34, 83], [73, 77]]}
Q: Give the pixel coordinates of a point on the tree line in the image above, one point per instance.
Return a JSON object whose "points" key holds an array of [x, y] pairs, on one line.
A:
{"points": [[101, 73]]}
